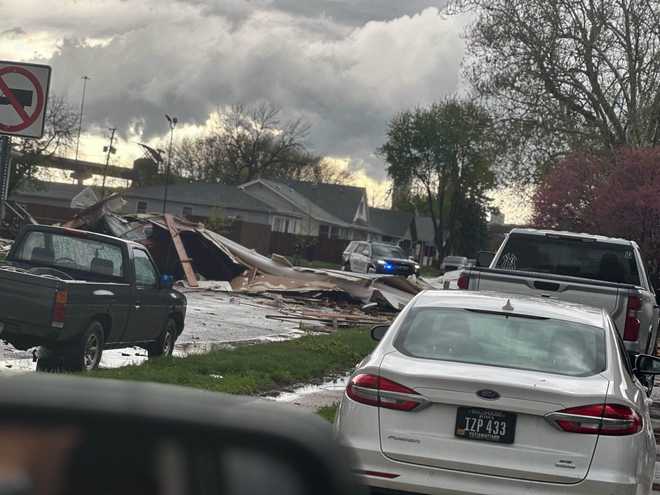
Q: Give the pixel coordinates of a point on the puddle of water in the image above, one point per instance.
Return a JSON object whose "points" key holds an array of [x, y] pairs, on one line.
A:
{"points": [[336, 385]]}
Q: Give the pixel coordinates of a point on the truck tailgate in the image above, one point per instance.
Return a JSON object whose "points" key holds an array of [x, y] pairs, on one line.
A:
{"points": [[25, 298], [591, 293]]}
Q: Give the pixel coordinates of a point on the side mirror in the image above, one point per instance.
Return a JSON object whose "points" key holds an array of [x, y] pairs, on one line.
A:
{"points": [[166, 281], [485, 258], [378, 332], [647, 365]]}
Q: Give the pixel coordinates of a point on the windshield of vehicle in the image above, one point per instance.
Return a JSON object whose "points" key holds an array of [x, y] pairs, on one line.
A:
{"points": [[466, 336], [595, 260], [45, 249], [385, 251]]}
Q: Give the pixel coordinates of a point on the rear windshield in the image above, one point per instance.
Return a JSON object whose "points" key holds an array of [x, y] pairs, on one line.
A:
{"points": [[575, 258], [45, 249], [466, 336]]}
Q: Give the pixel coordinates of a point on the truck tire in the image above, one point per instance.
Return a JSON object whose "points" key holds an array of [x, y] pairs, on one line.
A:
{"points": [[164, 346], [86, 355]]}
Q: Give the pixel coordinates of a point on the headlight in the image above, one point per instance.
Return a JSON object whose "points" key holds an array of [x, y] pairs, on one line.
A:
{"points": [[416, 267], [380, 262]]}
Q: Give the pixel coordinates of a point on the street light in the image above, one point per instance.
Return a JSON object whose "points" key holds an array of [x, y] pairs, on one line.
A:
{"points": [[173, 122], [82, 109]]}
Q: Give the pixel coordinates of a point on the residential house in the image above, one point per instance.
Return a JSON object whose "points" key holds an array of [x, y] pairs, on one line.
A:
{"points": [[47, 202], [199, 202], [393, 226], [327, 211], [423, 240]]}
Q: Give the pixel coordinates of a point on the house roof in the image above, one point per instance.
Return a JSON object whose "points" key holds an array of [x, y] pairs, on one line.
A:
{"points": [[339, 200], [304, 203], [211, 195], [389, 222], [49, 190]]}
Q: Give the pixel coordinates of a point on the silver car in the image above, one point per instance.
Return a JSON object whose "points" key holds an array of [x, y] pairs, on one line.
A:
{"points": [[484, 393]]}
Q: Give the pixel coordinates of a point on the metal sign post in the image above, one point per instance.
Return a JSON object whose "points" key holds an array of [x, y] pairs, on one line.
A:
{"points": [[5, 164]]}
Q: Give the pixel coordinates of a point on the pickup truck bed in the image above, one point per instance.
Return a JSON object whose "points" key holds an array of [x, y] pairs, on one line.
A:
{"points": [[632, 307]]}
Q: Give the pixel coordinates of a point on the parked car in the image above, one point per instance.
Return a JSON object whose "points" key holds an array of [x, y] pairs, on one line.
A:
{"points": [[450, 263], [378, 257], [587, 269], [473, 393], [76, 293]]}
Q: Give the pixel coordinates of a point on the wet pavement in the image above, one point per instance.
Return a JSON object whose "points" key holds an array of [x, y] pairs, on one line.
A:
{"points": [[313, 397], [214, 320]]}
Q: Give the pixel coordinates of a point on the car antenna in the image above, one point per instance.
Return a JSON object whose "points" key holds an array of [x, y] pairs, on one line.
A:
{"points": [[507, 306]]}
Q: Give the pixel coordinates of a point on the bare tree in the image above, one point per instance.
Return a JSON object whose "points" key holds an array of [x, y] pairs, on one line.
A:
{"points": [[567, 74], [250, 143], [59, 135]]}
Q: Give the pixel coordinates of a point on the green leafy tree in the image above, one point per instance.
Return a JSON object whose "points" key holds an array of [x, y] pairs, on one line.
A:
{"points": [[446, 152]]}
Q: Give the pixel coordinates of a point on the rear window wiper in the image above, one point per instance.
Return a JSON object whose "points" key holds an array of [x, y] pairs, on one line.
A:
{"points": [[507, 314]]}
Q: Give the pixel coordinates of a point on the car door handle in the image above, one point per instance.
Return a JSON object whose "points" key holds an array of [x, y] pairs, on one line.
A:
{"points": [[102, 292], [137, 306]]}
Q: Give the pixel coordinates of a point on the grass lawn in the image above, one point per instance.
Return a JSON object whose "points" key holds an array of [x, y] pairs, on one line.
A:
{"points": [[254, 369], [321, 265], [329, 412]]}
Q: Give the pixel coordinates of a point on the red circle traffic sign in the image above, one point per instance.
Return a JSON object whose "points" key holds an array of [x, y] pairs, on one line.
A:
{"points": [[26, 119]]}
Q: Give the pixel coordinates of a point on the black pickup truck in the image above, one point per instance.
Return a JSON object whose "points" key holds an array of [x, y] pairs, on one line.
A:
{"points": [[75, 293]]}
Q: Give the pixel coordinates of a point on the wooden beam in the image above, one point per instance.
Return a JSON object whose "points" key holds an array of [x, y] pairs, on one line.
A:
{"points": [[186, 262]]}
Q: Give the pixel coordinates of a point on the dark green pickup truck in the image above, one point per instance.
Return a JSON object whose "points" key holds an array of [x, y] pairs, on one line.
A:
{"points": [[75, 293]]}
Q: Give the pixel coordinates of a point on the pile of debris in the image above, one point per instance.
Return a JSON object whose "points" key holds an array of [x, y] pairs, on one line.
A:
{"points": [[205, 260]]}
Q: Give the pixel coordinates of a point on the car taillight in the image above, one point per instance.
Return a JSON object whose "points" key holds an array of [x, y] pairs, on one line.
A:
{"points": [[59, 308], [631, 329], [463, 281], [376, 391], [598, 419]]}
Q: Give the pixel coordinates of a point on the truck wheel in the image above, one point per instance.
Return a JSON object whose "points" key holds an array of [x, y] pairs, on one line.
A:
{"points": [[87, 354], [164, 346]]}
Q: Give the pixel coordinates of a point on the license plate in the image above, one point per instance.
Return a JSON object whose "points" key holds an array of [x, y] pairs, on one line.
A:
{"points": [[485, 424]]}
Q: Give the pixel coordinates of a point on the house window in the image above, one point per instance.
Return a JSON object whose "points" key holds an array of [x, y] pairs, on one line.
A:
{"points": [[142, 207], [187, 211], [324, 231], [285, 225]]}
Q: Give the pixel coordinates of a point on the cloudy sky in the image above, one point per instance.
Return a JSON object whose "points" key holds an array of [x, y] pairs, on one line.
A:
{"points": [[345, 65]]}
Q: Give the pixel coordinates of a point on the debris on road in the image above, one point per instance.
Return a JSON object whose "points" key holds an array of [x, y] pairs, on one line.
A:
{"points": [[206, 260]]}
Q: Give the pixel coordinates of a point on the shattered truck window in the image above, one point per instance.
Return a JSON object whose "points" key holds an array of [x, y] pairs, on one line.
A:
{"points": [[72, 253]]}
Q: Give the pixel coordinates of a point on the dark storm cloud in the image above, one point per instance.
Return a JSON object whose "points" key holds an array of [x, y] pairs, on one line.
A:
{"points": [[321, 60]]}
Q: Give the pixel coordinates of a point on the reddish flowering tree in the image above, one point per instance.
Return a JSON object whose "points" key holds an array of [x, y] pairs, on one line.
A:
{"points": [[618, 196]]}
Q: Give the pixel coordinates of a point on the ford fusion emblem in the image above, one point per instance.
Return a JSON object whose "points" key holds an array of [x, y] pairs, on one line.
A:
{"points": [[488, 394]]}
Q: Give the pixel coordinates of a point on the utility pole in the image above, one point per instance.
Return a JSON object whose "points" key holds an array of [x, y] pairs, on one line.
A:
{"points": [[172, 121], [110, 151], [82, 109]]}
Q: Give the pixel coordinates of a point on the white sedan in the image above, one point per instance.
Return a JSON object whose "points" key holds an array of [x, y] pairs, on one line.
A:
{"points": [[477, 393]]}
